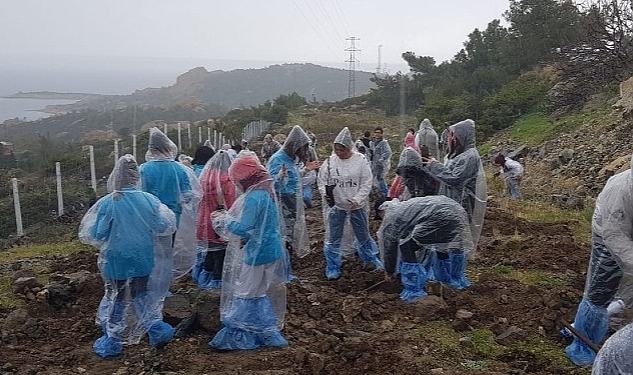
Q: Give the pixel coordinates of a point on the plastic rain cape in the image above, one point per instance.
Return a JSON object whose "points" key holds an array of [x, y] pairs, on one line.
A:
{"points": [[612, 221], [616, 355], [131, 229], [255, 263], [176, 186], [327, 175], [433, 223], [463, 178], [427, 136], [291, 185]]}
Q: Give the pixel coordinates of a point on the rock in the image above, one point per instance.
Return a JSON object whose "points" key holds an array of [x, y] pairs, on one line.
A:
{"points": [[25, 284], [463, 314]]}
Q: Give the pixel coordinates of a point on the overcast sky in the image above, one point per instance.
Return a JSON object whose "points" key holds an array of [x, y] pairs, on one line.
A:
{"points": [[256, 31]]}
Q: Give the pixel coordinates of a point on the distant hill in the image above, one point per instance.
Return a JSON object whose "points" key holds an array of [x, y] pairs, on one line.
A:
{"points": [[240, 88]]}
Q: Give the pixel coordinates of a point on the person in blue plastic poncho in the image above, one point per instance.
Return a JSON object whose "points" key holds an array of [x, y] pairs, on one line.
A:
{"points": [[610, 266], [177, 187], [616, 355], [462, 179], [344, 182], [283, 167], [125, 225], [253, 301], [411, 230]]}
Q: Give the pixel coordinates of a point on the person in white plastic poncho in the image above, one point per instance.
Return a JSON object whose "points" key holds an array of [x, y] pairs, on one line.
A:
{"points": [[253, 301], [177, 187], [345, 181], [616, 355], [610, 268], [126, 226], [411, 230], [462, 179], [427, 136]]}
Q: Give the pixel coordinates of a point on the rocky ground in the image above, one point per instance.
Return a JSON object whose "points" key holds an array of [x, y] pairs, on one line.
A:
{"points": [[348, 326]]}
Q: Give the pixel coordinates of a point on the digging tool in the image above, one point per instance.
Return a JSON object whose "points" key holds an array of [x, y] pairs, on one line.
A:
{"points": [[374, 286], [582, 337]]}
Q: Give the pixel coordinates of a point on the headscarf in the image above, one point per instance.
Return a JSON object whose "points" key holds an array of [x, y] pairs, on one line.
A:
{"points": [[247, 171]]}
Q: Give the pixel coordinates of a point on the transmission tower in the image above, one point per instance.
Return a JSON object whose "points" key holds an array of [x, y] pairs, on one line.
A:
{"points": [[378, 70], [351, 87]]}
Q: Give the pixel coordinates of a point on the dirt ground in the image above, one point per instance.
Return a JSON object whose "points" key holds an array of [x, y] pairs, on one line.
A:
{"points": [[348, 326]]}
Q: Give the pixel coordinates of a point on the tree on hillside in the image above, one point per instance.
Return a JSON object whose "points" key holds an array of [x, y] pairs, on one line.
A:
{"points": [[602, 54], [539, 27]]}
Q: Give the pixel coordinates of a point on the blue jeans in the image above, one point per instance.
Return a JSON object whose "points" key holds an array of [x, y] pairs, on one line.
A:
{"points": [[367, 248], [513, 187], [382, 186]]}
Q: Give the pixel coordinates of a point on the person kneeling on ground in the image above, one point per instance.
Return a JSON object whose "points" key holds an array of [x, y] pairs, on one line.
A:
{"points": [[125, 226], [253, 301], [412, 230]]}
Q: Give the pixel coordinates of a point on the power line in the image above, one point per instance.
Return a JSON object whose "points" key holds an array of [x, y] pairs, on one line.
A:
{"points": [[327, 44]]}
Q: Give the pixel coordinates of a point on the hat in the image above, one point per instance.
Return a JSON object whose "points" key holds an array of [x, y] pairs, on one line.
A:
{"points": [[500, 159]]}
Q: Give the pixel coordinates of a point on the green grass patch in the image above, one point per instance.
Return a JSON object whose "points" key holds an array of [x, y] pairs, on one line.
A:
{"points": [[7, 298], [548, 351], [579, 221], [443, 337], [531, 277], [485, 344], [46, 250], [535, 128], [532, 129]]}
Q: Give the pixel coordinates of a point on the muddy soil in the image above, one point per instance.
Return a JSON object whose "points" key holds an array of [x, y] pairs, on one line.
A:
{"points": [[347, 326]]}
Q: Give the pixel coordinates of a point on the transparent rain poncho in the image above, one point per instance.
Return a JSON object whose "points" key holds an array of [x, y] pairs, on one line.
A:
{"points": [[127, 226], [347, 181], [616, 355], [219, 193], [610, 271], [412, 180], [427, 136], [177, 187], [381, 159], [284, 169], [253, 301], [463, 179], [426, 223]]}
